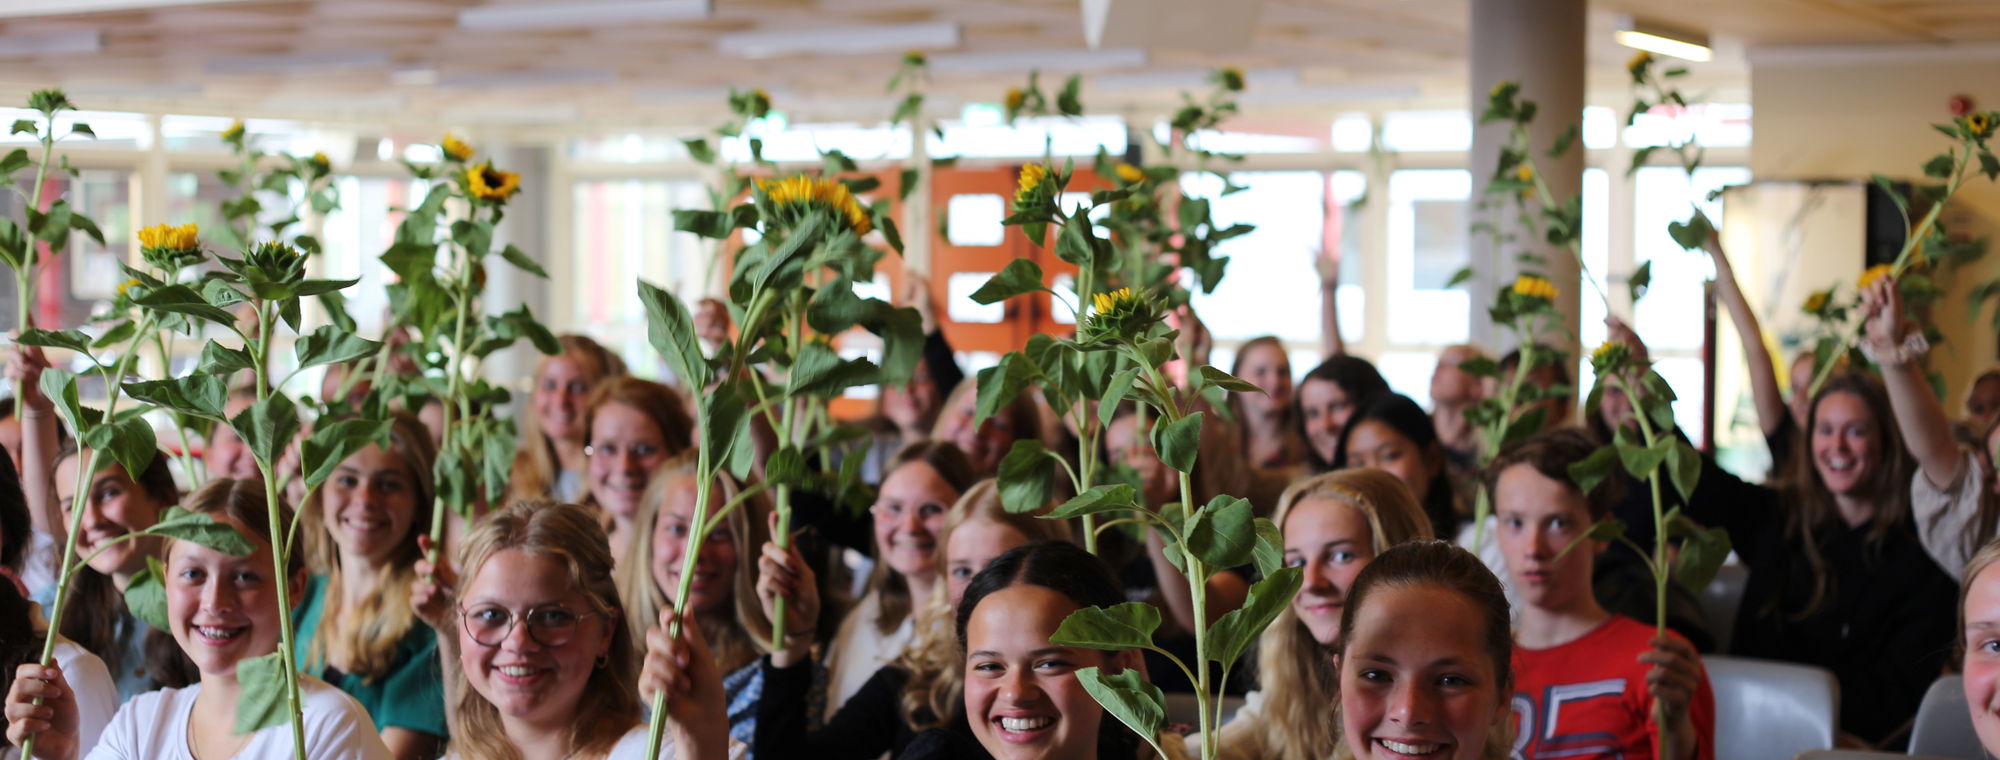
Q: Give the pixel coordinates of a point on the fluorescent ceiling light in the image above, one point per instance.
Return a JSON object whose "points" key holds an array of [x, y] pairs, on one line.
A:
{"points": [[281, 63], [25, 8], [531, 78], [1012, 61], [840, 41], [1663, 40], [575, 13], [13, 45]]}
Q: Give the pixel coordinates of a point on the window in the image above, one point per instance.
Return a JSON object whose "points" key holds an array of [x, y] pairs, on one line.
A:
{"points": [[1427, 130], [623, 232], [1271, 286], [1662, 195], [356, 235], [1031, 138], [1427, 239], [975, 219]]}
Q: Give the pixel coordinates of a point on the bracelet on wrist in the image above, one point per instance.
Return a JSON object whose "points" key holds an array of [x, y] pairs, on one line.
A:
{"points": [[1895, 354]]}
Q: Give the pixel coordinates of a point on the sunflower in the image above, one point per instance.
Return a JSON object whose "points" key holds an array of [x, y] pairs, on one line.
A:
{"points": [[234, 134], [321, 163], [1109, 302], [1816, 302], [1524, 173], [126, 285], [914, 58], [169, 237], [801, 190], [1610, 356], [1979, 123], [1872, 274], [1639, 63], [1130, 174], [1120, 314], [1530, 286], [1032, 176], [1015, 97], [487, 183], [455, 148]]}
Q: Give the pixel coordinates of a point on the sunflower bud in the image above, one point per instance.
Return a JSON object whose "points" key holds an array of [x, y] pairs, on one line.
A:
{"points": [[1817, 302], [1130, 174], [1230, 77], [275, 262], [455, 149], [1610, 357], [800, 192], [1638, 64], [1530, 286], [49, 101], [914, 58], [1120, 315], [234, 134]]}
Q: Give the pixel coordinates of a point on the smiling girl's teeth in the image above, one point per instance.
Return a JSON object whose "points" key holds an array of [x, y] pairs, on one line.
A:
{"points": [[220, 634], [1409, 749], [516, 671], [1025, 724]]}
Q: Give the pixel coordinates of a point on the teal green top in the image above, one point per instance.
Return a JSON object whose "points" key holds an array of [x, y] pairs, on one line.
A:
{"points": [[410, 696]]}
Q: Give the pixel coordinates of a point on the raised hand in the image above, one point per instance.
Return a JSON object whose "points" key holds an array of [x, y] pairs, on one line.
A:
{"points": [[685, 670], [433, 593], [783, 574], [1672, 682]]}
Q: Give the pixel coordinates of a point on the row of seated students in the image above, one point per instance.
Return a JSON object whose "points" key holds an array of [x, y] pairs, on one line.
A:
{"points": [[543, 632]]}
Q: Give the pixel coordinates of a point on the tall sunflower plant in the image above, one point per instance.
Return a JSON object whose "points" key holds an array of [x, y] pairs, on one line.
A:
{"points": [[440, 255], [1649, 451], [270, 280], [790, 294], [1120, 354], [258, 174], [45, 221]]}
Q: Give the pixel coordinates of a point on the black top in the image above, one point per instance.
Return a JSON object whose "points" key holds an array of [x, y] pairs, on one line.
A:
{"points": [[944, 744], [867, 725], [1884, 628]]}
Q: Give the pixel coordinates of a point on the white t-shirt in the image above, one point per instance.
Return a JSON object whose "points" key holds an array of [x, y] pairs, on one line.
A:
{"points": [[633, 746], [155, 725], [96, 695], [859, 649]]}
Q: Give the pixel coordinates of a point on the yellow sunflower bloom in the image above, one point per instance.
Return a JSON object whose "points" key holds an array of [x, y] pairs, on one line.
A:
{"points": [[455, 148], [1979, 123], [801, 190], [1131, 174], [1525, 173], [1817, 302], [1872, 274], [170, 237], [1032, 176], [234, 132], [320, 160], [1531, 286], [1015, 97], [1610, 356], [1638, 62], [487, 183], [1109, 302]]}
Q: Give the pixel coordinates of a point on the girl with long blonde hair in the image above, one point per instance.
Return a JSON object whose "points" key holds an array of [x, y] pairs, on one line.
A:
{"points": [[356, 629], [1333, 525], [549, 461]]}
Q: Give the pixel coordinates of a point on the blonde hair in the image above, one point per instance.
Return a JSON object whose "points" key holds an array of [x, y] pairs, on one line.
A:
{"points": [[364, 640], [937, 678], [736, 640], [1296, 671], [1982, 559], [610, 703], [534, 471]]}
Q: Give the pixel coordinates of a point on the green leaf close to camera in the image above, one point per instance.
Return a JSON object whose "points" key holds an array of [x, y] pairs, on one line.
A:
{"points": [[1593, 469], [195, 527], [1026, 477], [181, 299], [1115, 393], [786, 467], [59, 386], [146, 594], [1129, 698], [1125, 626], [221, 361], [1018, 277], [1641, 461], [267, 427], [1224, 533], [819, 371], [1099, 499], [1228, 382], [74, 340], [1269, 554], [1684, 467], [331, 444], [1702, 554], [129, 441], [199, 393], [1235, 631], [261, 702], [331, 345], [999, 385], [1179, 441], [670, 329]]}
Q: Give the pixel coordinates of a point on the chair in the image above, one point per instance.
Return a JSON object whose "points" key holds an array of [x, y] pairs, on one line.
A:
{"points": [[1720, 600], [1944, 724], [1181, 707], [1859, 754], [1766, 709]]}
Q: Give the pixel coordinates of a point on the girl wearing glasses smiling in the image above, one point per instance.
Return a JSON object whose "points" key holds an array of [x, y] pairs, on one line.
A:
{"points": [[546, 664]]}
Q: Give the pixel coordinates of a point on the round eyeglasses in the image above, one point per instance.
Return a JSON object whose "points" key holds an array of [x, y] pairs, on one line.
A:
{"points": [[550, 625]]}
